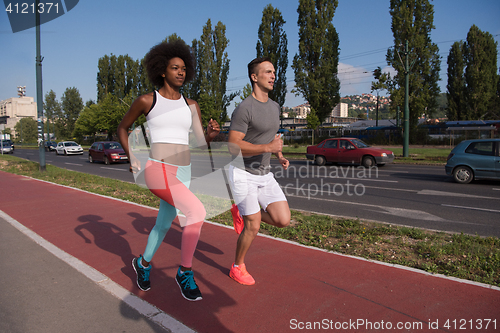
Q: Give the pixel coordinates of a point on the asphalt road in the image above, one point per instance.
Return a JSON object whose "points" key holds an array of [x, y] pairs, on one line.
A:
{"points": [[412, 195]]}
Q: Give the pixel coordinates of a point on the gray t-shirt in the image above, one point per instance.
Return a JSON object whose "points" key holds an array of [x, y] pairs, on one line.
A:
{"points": [[259, 122]]}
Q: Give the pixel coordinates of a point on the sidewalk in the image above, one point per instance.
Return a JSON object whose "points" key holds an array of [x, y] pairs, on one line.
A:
{"points": [[297, 287]]}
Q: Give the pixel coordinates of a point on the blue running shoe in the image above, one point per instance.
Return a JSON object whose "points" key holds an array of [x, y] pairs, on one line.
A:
{"points": [[142, 274], [189, 289]]}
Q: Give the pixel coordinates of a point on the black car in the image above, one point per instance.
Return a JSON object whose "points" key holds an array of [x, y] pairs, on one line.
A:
{"points": [[50, 145]]}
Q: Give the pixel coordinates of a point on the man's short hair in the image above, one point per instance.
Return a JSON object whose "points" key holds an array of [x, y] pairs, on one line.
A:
{"points": [[254, 63]]}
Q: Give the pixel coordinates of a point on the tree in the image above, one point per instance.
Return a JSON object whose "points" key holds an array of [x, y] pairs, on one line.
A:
{"points": [[316, 64], [86, 124], [119, 75], [72, 105], [378, 85], [456, 83], [273, 43], [26, 130], [6, 131], [192, 89], [247, 91], [52, 108], [213, 71], [480, 55], [412, 20], [312, 122]]}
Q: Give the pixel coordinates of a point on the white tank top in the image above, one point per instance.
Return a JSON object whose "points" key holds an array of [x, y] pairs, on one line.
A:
{"points": [[169, 121]]}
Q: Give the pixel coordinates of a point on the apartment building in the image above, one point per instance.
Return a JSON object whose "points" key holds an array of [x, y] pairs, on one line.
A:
{"points": [[12, 110]]}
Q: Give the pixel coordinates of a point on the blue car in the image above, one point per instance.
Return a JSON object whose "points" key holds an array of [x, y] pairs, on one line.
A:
{"points": [[474, 159]]}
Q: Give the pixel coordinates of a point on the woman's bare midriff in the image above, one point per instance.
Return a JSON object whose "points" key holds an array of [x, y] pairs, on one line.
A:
{"points": [[171, 153]]}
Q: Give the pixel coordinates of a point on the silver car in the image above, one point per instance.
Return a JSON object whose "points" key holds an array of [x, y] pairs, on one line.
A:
{"points": [[69, 148]]}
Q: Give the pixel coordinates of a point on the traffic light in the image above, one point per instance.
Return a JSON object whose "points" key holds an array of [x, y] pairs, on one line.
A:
{"points": [[40, 129]]}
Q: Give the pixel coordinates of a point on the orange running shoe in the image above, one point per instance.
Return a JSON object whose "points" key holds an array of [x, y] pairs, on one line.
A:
{"points": [[240, 274], [237, 219]]}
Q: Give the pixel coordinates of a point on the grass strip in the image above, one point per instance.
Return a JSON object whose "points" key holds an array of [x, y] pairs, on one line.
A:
{"points": [[459, 255]]}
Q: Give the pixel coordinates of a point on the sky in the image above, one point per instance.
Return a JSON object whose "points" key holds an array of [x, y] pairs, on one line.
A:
{"points": [[72, 44]]}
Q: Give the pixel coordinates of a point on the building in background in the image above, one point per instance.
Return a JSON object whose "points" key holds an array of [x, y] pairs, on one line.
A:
{"points": [[340, 110], [13, 109]]}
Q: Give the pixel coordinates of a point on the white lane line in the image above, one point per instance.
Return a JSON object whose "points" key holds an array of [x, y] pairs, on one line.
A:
{"points": [[473, 208], [146, 309], [391, 189], [453, 194], [368, 179], [73, 164], [390, 171], [109, 168]]}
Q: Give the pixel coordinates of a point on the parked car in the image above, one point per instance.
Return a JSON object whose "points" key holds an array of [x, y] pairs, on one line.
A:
{"points": [[108, 152], [348, 150], [474, 159], [69, 147], [7, 147], [50, 145]]}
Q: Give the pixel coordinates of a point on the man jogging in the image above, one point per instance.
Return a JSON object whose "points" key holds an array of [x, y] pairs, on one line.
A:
{"points": [[254, 124]]}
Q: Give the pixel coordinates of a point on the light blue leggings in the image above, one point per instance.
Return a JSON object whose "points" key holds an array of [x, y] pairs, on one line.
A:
{"points": [[154, 171]]}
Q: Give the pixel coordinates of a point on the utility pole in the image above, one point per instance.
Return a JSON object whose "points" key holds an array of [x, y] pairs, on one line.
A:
{"points": [[406, 120], [39, 91]]}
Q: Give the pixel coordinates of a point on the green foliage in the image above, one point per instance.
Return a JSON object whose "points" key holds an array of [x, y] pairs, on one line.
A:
{"points": [[52, 108], [312, 120], [273, 43], [26, 130], [316, 64], [71, 105], [456, 83], [103, 116], [381, 80], [473, 91], [412, 21], [247, 91], [212, 72], [480, 55], [121, 76]]}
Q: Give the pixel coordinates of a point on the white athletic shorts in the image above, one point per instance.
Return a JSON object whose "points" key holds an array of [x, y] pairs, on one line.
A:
{"points": [[251, 192]]}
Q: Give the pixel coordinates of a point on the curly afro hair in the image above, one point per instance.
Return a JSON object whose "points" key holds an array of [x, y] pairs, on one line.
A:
{"points": [[157, 59]]}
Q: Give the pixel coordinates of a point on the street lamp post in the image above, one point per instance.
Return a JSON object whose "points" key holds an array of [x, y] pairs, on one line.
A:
{"points": [[39, 91]]}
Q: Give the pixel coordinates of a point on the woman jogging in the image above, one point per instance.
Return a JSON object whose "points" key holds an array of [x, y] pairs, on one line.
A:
{"points": [[170, 118]]}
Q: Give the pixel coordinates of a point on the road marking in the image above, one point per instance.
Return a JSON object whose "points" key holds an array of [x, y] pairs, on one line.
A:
{"points": [[390, 189], [453, 194], [114, 169], [473, 208], [391, 171], [402, 212], [73, 164], [367, 179]]}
